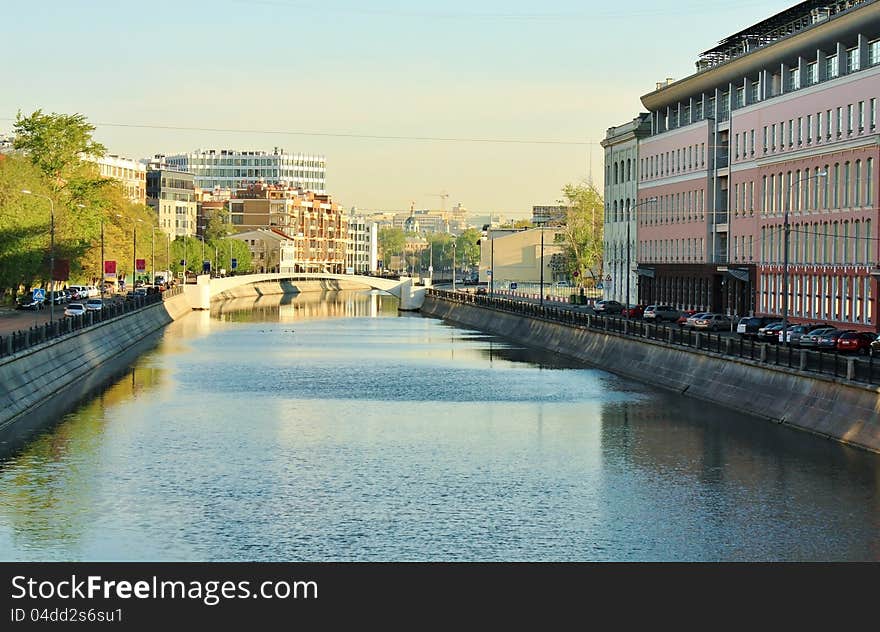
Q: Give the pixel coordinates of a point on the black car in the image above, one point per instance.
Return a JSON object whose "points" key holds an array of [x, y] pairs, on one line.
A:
{"points": [[608, 307], [828, 340], [28, 302], [748, 327]]}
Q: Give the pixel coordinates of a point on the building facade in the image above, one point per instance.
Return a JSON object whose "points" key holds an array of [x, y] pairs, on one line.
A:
{"points": [[272, 250], [511, 255], [172, 195], [621, 145], [362, 251], [769, 149], [130, 173], [234, 169], [315, 222]]}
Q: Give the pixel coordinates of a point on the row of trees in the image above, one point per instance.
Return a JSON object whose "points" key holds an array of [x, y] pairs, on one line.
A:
{"points": [[439, 249], [52, 161]]}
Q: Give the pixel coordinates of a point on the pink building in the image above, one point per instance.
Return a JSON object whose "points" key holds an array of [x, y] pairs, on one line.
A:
{"points": [[780, 120]]}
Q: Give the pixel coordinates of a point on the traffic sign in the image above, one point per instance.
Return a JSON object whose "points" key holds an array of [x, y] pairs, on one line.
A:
{"points": [[235, 264], [39, 294], [513, 286]]}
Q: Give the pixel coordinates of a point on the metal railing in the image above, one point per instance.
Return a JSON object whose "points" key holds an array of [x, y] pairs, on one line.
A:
{"points": [[18, 341], [830, 363]]}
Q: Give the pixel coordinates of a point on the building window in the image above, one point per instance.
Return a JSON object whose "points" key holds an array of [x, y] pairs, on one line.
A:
{"points": [[857, 184], [852, 60], [794, 79], [874, 52], [809, 128], [753, 90], [813, 73], [832, 67], [869, 182]]}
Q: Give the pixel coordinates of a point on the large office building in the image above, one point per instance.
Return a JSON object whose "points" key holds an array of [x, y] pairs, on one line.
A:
{"points": [[172, 195], [362, 251], [621, 145], [234, 169], [770, 148]]}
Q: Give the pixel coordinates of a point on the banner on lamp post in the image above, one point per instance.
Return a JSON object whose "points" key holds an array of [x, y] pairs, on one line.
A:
{"points": [[140, 265], [109, 270]]}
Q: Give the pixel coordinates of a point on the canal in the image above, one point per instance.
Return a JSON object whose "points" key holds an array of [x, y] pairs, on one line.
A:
{"points": [[328, 427]]}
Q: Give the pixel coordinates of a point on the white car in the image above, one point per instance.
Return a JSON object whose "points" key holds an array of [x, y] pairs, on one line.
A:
{"points": [[94, 305], [74, 309]]}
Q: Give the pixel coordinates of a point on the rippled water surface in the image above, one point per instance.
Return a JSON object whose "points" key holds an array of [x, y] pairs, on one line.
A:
{"points": [[329, 428]]}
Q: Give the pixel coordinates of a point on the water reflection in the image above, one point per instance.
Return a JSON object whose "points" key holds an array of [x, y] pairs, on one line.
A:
{"points": [[327, 427]]}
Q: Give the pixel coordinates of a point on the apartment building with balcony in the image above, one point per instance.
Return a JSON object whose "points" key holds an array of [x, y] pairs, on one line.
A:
{"points": [[315, 222], [780, 120], [172, 195]]}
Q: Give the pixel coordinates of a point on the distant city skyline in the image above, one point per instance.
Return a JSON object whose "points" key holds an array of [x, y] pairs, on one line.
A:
{"points": [[405, 101]]}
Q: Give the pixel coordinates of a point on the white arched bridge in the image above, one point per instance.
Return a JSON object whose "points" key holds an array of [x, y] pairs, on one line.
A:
{"points": [[207, 289]]}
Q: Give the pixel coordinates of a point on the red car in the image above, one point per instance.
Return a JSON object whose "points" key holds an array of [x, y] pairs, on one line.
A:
{"points": [[633, 311], [685, 314], [855, 342]]}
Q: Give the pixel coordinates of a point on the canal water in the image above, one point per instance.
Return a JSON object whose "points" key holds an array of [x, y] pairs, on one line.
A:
{"points": [[328, 427]]}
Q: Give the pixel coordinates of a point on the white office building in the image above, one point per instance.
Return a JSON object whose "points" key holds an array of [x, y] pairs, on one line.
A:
{"points": [[362, 251], [234, 169]]}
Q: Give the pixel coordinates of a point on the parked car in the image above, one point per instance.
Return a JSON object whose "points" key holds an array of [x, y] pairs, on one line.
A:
{"points": [[770, 333], [141, 291], [94, 305], [748, 327], [855, 342], [713, 322], [78, 292], [828, 340], [608, 307], [61, 297], [74, 309], [809, 340], [794, 334], [690, 320], [875, 347], [480, 290], [681, 321], [659, 313], [634, 311], [28, 302]]}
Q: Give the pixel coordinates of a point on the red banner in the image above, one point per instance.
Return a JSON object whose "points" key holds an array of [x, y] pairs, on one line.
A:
{"points": [[110, 267], [141, 265], [62, 270]]}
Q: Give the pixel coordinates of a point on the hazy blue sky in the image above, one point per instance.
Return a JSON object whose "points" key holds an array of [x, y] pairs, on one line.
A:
{"points": [[554, 70]]}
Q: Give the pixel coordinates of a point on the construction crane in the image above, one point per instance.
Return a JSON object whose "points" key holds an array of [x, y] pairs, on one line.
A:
{"points": [[442, 195]]}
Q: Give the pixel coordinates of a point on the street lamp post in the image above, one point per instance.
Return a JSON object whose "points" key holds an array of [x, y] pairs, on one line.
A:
{"points": [[787, 233], [542, 264], [629, 211], [51, 251], [453, 265]]}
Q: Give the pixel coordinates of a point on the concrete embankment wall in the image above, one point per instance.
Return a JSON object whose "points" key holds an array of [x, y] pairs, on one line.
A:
{"points": [[268, 288], [835, 409], [40, 384]]}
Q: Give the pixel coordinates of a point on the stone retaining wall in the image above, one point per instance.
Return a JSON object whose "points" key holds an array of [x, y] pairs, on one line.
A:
{"points": [[822, 405]]}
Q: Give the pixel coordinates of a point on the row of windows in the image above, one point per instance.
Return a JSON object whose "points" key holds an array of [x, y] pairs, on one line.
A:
{"points": [[854, 119], [675, 208], [674, 162], [622, 172], [200, 162], [258, 173], [819, 243], [671, 250], [787, 80], [819, 297], [847, 185]]}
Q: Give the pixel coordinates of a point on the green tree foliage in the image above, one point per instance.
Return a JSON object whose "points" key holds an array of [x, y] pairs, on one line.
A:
{"points": [[582, 234], [219, 252], [217, 227], [56, 143], [391, 243], [467, 247], [50, 162], [439, 251]]}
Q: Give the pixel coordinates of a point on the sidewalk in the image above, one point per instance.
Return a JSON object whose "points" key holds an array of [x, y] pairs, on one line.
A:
{"points": [[18, 319]]}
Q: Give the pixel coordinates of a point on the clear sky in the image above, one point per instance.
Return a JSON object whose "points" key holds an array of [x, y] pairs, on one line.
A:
{"points": [[556, 70]]}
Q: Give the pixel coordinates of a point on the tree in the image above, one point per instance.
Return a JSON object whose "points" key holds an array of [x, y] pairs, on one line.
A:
{"points": [[391, 244], [217, 227], [467, 248], [582, 233], [56, 144]]}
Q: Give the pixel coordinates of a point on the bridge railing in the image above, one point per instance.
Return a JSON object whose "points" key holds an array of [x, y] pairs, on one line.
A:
{"points": [[833, 364], [18, 341]]}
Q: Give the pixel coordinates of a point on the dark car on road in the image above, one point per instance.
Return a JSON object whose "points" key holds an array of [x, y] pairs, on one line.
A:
{"points": [[855, 342], [29, 302], [810, 340], [828, 340], [770, 333], [608, 307], [748, 327]]}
